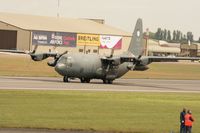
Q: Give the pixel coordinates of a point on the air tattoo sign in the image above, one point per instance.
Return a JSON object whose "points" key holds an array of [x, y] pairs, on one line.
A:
{"points": [[54, 38]]}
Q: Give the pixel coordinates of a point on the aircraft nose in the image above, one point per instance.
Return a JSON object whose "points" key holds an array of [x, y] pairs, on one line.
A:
{"points": [[60, 68]]}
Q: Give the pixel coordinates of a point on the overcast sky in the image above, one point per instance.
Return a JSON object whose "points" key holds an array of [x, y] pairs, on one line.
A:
{"points": [[183, 15]]}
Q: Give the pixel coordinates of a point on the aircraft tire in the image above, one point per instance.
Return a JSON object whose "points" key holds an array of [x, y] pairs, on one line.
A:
{"points": [[104, 81], [85, 80], [107, 81], [65, 79], [82, 80], [110, 81]]}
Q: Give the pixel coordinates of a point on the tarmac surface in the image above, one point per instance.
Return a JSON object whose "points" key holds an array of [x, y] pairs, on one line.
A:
{"points": [[127, 85]]}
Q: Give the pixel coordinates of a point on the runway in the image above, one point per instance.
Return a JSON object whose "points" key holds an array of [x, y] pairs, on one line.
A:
{"points": [[121, 85]]}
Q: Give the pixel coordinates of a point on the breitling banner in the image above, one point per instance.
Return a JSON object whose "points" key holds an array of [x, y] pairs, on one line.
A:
{"points": [[54, 38], [88, 39], [114, 42]]}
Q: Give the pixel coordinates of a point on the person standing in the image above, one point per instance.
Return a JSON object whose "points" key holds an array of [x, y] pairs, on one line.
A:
{"points": [[182, 121], [188, 122]]}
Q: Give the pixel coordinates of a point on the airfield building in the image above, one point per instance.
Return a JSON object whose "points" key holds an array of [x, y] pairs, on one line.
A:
{"points": [[163, 48], [192, 50], [53, 34], [24, 32]]}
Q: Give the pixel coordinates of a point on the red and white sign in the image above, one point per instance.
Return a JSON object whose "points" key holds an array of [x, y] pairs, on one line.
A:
{"points": [[114, 42]]}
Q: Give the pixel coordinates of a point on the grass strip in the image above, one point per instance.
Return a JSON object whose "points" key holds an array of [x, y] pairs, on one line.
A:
{"points": [[97, 111]]}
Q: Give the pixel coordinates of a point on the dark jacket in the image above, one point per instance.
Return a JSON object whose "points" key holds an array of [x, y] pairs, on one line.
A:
{"points": [[182, 117]]}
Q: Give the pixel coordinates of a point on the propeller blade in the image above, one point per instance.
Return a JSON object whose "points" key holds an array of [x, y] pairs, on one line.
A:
{"points": [[64, 53], [34, 50], [112, 52]]}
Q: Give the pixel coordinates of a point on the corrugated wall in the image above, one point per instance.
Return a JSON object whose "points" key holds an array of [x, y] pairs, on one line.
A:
{"points": [[23, 36]]}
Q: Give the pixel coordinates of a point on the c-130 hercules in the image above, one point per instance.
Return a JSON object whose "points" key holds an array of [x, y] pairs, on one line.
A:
{"points": [[93, 66]]}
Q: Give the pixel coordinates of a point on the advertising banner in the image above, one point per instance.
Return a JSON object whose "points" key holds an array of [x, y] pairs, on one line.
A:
{"points": [[40, 37], [88, 39], [54, 38], [114, 42]]}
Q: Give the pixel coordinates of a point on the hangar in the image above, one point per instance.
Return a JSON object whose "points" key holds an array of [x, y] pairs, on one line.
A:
{"points": [[163, 48], [190, 50], [23, 32]]}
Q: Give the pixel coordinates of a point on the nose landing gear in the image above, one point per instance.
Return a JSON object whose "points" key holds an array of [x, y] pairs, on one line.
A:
{"points": [[65, 79]]}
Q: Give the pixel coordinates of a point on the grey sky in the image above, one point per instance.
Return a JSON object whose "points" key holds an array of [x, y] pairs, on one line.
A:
{"points": [[183, 15]]}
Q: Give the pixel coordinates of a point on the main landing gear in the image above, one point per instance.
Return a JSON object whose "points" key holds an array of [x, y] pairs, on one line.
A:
{"points": [[107, 81], [65, 79], [85, 80]]}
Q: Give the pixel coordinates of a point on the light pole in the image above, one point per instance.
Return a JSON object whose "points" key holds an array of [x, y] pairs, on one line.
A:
{"points": [[146, 42], [58, 15]]}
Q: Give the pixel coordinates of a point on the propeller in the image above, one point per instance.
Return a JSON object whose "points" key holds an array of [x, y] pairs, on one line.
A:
{"points": [[112, 52], [56, 58], [141, 63], [39, 56], [42, 56], [138, 63], [35, 48]]}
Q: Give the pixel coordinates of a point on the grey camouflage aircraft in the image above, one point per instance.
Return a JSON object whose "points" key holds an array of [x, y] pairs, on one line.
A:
{"points": [[93, 66]]}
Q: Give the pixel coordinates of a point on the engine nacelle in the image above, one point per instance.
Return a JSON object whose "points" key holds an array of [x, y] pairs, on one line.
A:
{"points": [[140, 68], [52, 63], [38, 57]]}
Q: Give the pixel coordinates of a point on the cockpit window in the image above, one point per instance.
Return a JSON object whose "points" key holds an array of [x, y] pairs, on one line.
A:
{"points": [[66, 60], [63, 59]]}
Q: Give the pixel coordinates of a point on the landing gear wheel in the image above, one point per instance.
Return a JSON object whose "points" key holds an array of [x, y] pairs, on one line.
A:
{"points": [[110, 81], [82, 80], [65, 79], [107, 81], [85, 80]]}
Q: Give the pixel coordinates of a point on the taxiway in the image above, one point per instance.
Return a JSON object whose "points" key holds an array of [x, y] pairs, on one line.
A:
{"points": [[127, 85]]}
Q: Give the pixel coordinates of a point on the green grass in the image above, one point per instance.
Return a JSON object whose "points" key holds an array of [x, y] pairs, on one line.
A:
{"points": [[24, 66], [100, 111]]}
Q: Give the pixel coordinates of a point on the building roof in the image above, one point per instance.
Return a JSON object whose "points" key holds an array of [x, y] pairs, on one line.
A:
{"points": [[167, 44], [157, 48], [198, 45], [191, 46], [31, 22]]}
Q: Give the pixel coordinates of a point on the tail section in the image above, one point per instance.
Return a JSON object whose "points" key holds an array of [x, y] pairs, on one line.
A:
{"points": [[136, 46]]}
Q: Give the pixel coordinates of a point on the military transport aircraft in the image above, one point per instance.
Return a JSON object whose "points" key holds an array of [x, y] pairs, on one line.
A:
{"points": [[93, 66]]}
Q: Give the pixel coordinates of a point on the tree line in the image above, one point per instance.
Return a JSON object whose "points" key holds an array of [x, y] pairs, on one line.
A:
{"points": [[176, 37]]}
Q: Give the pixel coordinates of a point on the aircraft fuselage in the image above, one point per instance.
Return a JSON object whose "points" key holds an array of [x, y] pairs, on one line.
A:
{"points": [[88, 66]]}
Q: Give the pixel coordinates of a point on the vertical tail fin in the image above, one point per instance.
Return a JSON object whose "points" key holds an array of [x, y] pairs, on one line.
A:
{"points": [[136, 45]]}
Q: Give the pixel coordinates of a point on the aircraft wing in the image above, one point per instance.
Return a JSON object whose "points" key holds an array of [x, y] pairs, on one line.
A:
{"points": [[42, 56], [34, 56], [169, 59], [141, 63], [115, 61]]}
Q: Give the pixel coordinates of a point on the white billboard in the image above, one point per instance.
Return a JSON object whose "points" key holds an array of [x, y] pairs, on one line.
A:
{"points": [[112, 42]]}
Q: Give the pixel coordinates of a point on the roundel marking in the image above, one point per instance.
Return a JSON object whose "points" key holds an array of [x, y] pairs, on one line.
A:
{"points": [[138, 33]]}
